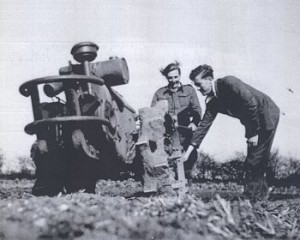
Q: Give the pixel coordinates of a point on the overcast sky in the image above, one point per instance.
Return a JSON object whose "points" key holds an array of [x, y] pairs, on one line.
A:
{"points": [[257, 41]]}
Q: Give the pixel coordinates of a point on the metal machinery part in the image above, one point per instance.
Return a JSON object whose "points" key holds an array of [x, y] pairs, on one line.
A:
{"points": [[89, 136], [161, 151], [176, 154]]}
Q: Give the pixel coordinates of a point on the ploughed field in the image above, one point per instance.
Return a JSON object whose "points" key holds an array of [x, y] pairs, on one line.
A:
{"points": [[118, 210]]}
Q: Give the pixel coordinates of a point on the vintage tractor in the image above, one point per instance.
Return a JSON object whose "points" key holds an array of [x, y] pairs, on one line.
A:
{"points": [[85, 130]]}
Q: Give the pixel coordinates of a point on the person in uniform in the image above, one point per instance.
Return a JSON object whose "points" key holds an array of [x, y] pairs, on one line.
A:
{"points": [[183, 107], [255, 110]]}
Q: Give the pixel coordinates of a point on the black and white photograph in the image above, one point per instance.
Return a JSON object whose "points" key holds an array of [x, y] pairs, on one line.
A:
{"points": [[149, 119]]}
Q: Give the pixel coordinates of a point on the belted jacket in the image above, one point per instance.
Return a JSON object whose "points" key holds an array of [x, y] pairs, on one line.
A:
{"points": [[183, 104]]}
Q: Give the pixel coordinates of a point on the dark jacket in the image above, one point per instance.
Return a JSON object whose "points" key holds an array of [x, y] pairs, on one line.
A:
{"points": [[183, 104], [255, 110]]}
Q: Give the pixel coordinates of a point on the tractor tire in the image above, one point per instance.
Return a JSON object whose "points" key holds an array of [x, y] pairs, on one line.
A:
{"points": [[82, 174], [49, 178]]}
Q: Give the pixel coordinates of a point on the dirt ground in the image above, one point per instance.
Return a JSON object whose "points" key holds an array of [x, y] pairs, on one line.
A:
{"points": [[118, 210]]}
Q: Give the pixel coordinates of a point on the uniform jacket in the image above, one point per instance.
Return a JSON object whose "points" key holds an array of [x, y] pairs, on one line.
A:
{"points": [[255, 110], [183, 104]]}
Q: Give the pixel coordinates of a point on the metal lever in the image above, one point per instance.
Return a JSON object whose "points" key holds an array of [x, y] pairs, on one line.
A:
{"points": [[180, 184]]}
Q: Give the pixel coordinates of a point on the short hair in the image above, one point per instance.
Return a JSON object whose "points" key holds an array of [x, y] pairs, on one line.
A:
{"points": [[172, 66], [204, 70]]}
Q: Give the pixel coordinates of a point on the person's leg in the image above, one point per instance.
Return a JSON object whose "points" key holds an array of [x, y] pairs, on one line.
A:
{"points": [[190, 164], [255, 184]]}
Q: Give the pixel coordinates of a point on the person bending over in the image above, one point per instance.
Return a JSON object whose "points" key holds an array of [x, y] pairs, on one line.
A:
{"points": [[255, 110]]}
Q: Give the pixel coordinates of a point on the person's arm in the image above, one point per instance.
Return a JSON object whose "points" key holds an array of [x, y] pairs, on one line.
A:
{"points": [[208, 118], [154, 100], [195, 108], [198, 136]]}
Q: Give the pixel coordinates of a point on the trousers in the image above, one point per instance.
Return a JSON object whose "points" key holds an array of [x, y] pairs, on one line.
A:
{"points": [[255, 183]]}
